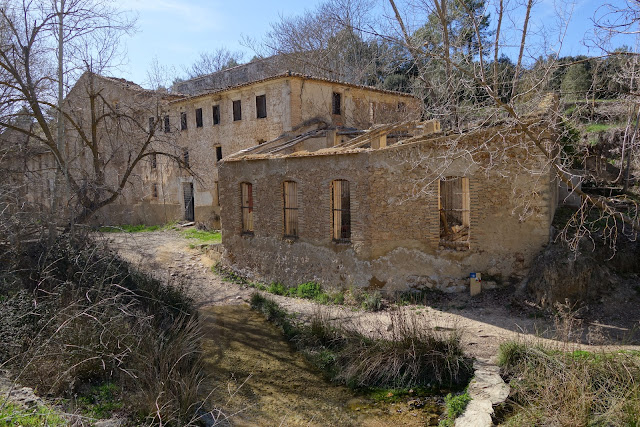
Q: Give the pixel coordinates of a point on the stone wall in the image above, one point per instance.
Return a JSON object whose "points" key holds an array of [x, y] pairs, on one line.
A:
{"points": [[290, 103], [120, 140], [395, 241]]}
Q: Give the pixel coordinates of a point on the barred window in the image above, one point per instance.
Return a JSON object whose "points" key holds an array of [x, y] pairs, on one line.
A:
{"points": [[454, 205], [290, 196], [247, 207], [341, 210]]}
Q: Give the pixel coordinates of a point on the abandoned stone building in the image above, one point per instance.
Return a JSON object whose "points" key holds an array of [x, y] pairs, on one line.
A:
{"points": [[211, 125], [187, 135], [114, 123], [400, 206]]}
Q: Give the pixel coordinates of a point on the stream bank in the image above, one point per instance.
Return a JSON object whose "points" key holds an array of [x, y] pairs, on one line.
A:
{"points": [[258, 379]]}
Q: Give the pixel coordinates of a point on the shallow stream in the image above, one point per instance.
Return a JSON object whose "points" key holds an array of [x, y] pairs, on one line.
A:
{"points": [[256, 378]]}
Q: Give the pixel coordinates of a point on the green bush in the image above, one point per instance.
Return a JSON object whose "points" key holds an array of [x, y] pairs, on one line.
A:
{"points": [[14, 415], [308, 290], [455, 404], [372, 302], [277, 289]]}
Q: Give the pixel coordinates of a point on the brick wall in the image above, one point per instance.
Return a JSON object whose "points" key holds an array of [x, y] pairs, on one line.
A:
{"points": [[395, 218]]}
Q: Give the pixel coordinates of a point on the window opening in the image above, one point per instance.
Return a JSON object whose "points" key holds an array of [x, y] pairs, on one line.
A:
{"points": [[218, 153], [185, 156], [290, 196], [237, 110], [261, 106], [154, 190], [154, 161], [454, 206], [216, 114], [183, 121], [341, 210], [247, 207], [189, 203], [167, 127], [337, 103], [198, 117]]}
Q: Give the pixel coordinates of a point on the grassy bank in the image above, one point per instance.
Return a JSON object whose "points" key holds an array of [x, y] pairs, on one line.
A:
{"points": [[81, 325], [577, 388], [411, 355], [356, 298]]}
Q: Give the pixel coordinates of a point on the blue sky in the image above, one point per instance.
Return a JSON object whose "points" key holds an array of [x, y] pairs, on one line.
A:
{"points": [[176, 31]]}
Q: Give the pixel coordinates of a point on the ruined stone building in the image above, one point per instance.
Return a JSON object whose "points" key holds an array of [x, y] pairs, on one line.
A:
{"points": [[401, 206], [209, 126], [176, 141]]}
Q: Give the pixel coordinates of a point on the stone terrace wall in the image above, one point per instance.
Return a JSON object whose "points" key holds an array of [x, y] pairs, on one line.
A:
{"points": [[395, 218]]}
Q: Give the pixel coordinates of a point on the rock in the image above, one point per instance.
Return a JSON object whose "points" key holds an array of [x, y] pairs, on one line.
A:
{"points": [[415, 404], [486, 389]]}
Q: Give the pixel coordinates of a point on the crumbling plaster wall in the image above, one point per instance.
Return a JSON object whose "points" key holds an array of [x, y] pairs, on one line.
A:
{"points": [[119, 141], [313, 99], [232, 136], [395, 220]]}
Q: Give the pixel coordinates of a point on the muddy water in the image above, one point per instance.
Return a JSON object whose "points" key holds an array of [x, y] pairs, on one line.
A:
{"points": [[257, 379]]}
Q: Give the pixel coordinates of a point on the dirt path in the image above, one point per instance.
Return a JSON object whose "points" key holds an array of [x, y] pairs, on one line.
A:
{"points": [[485, 321], [261, 381]]}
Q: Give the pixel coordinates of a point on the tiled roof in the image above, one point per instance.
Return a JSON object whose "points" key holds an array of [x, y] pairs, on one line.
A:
{"points": [[295, 75]]}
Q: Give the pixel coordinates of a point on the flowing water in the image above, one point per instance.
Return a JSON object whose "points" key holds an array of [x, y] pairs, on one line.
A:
{"points": [[258, 379]]}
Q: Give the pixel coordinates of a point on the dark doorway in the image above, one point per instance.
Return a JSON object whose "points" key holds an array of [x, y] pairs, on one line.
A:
{"points": [[187, 188]]}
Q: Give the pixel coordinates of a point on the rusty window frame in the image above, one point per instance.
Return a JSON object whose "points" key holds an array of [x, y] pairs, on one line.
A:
{"points": [[290, 208], [341, 211], [246, 204]]}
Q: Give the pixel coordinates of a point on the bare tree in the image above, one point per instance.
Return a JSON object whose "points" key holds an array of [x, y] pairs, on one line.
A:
{"points": [[470, 81], [96, 139], [216, 60], [333, 41]]}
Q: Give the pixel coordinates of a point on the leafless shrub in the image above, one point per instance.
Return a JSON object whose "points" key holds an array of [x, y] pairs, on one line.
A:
{"points": [[84, 317], [566, 322], [408, 353], [576, 388]]}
